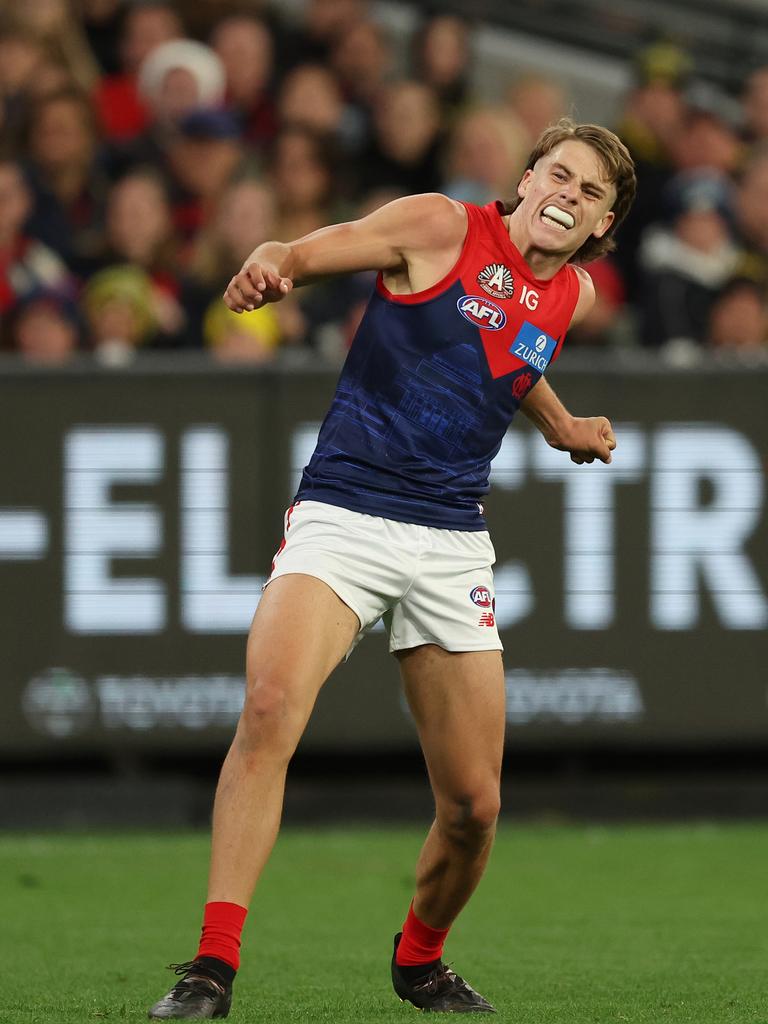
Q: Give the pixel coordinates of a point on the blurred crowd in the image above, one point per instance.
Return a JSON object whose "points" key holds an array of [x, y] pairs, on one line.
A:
{"points": [[150, 145]]}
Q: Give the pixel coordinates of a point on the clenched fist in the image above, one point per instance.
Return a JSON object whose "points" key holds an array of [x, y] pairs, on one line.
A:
{"points": [[587, 438], [254, 286]]}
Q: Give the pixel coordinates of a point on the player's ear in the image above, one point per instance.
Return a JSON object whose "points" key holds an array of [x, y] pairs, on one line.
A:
{"points": [[604, 224], [522, 186]]}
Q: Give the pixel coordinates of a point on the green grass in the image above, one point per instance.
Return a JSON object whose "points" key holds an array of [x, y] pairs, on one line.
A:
{"points": [[571, 925]]}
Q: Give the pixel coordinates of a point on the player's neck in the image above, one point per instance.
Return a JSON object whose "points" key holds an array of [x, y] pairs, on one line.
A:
{"points": [[543, 265]]}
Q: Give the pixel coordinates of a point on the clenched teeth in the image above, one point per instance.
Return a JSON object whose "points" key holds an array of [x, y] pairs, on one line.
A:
{"points": [[560, 217]]}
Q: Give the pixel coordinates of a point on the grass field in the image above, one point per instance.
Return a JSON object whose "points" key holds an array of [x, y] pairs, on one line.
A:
{"points": [[571, 925]]}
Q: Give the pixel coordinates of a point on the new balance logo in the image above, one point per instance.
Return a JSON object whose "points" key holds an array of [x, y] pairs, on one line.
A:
{"points": [[487, 619]]}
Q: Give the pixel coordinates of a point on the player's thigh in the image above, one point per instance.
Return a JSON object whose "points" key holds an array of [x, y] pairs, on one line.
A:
{"points": [[299, 634], [458, 703]]}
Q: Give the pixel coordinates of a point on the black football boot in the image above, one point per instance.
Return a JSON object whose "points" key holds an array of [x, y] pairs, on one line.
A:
{"points": [[202, 993], [439, 990]]}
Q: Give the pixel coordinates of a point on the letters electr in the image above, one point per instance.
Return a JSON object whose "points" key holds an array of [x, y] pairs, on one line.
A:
{"points": [[683, 563]]}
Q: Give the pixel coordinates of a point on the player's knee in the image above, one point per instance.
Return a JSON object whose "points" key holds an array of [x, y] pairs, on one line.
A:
{"points": [[470, 819], [268, 718]]}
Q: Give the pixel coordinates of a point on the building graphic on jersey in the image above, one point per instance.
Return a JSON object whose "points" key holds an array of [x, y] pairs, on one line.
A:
{"points": [[443, 394]]}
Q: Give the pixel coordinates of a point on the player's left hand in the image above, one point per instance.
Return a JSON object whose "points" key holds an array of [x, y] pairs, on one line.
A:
{"points": [[588, 438]]}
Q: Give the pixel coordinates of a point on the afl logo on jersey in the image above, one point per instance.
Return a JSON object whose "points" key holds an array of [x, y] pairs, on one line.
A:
{"points": [[481, 596], [481, 312], [497, 280]]}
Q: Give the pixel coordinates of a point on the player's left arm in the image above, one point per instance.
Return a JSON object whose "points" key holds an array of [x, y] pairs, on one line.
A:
{"points": [[586, 437]]}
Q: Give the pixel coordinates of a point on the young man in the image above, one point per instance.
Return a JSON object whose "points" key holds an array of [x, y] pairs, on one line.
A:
{"points": [[471, 306]]}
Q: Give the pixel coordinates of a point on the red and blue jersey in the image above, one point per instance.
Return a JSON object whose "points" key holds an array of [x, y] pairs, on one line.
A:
{"points": [[432, 381]]}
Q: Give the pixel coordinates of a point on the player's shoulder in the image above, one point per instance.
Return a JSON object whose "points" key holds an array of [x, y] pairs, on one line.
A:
{"points": [[586, 284], [438, 219], [586, 297], [435, 204], [583, 276]]}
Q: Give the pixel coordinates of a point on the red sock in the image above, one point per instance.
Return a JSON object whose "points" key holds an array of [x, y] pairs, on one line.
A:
{"points": [[222, 926], [420, 944]]}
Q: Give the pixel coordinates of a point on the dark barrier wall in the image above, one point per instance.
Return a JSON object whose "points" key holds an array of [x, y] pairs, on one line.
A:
{"points": [[139, 513]]}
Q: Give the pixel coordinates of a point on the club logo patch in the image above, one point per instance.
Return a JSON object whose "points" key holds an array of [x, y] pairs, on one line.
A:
{"points": [[482, 312], [521, 385], [533, 346], [481, 596], [497, 280]]}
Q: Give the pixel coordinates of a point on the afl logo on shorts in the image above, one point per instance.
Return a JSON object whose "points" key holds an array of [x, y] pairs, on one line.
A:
{"points": [[481, 597], [481, 312]]}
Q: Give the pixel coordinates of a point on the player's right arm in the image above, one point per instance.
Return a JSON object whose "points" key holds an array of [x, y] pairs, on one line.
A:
{"points": [[416, 238]]}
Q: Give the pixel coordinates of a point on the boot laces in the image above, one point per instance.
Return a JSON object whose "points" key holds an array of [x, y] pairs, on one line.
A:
{"points": [[440, 975], [187, 969]]}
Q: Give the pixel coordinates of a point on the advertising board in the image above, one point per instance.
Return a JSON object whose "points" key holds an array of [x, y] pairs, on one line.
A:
{"points": [[139, 513]]}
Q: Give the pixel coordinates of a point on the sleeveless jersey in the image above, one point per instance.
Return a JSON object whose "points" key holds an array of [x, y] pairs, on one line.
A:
{"points": [[432, 381]]}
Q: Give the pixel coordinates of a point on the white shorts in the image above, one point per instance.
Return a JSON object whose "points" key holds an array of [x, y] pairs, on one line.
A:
{"points": [[431, 586]]}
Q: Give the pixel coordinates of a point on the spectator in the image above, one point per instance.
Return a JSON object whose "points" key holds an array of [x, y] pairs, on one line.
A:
{"points": [[21, 54], [537, 101], [310, 97], [45, 329], [27, 266], [68, 184], [486, 155], [303, 175], [120, 314], [147, 26], [686, 265], [362, 59], [202, 156], [54, 24], [654, 108], [23, 59], [650, 123], [139, 230], [404, 154], [139, 226], [244, 47], [738, 319], [245, 216], [179, 77], [242, 338], [442, 60], [709, 136]]}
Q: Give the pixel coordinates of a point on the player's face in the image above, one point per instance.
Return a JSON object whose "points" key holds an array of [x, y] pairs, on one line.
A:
{"points": [[566, 198]]}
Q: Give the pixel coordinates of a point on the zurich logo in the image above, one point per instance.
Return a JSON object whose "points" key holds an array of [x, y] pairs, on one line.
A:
{"points": [[481, 312], [541, 343]]}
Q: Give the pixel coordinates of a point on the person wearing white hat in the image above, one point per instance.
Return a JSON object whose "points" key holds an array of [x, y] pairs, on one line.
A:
{"points": [[180, 76]]}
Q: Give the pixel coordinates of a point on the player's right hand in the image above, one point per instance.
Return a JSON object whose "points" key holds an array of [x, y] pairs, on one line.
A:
{"points": [[254, 286]]}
